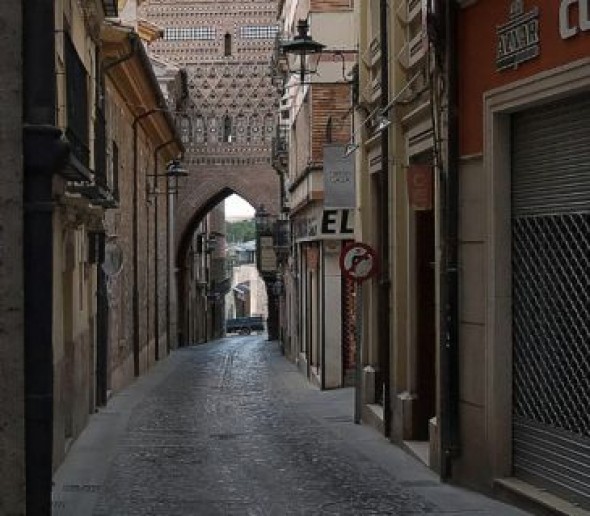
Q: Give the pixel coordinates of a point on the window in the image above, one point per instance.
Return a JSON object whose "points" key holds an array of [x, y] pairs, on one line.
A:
{"points": [[78, 116], [227, 45], [189, 33], [227, 137], [200, 133], [258, 31], [185, 130]]}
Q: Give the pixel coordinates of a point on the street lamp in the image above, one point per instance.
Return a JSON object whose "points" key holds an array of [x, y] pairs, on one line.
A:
{"points": [[174, 169], [303, 53], [263, 221]]}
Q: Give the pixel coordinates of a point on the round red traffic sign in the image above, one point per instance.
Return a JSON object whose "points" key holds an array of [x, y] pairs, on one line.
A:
{"points": [[358, 261]]}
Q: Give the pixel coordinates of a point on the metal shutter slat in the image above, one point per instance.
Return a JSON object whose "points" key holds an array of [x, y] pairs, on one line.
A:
{"points": [[551, 151]]}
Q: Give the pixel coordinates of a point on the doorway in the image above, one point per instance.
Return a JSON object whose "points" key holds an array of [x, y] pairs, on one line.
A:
{"points": [[425, 321]]}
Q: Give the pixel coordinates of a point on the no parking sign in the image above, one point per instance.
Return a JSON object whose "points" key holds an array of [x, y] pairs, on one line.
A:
{"points": [[358, 261]]}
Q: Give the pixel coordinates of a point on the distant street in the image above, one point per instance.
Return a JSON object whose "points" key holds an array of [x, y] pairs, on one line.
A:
{"points": [[232, 428]]}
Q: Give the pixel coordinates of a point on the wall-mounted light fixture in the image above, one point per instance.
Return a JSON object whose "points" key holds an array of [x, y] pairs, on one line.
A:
{"points": [[174, 169], [302, 52], [381, 123], [380, 116]]}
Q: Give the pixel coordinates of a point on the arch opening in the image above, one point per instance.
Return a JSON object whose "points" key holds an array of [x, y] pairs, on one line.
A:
{"points": [[219, 289]]}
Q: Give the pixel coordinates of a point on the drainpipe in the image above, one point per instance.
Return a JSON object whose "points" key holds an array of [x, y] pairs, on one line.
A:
{"points": [[168, 259], [44, 153], [384, 280], [449, 429], [156, 257], [135, 301]]}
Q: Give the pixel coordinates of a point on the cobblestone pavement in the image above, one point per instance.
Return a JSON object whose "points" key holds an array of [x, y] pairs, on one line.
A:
{"points": [[231, 428]]}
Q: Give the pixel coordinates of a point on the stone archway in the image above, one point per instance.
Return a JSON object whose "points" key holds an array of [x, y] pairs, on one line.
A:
{"points": [[206, 186]]}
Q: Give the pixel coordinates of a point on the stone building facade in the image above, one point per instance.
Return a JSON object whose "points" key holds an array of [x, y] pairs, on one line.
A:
{"points": [[65, 119]]}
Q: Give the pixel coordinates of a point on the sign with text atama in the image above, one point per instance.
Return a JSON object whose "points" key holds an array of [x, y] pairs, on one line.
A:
{"points": [[339, 181]]}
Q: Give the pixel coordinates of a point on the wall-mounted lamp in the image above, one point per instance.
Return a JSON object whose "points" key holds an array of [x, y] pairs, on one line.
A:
{"points": [[303, 53], [381, 115], [174, 169], [263, 221], [381, 123]]}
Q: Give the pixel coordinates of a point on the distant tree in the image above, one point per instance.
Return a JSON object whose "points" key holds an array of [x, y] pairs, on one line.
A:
{"points": [[240, 231]]}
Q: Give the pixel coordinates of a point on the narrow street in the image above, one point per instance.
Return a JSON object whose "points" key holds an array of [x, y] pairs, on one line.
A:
{"points": [[231, 427]]}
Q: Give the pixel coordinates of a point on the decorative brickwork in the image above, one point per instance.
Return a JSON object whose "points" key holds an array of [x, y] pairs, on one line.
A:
{"points": [[225, 47]]}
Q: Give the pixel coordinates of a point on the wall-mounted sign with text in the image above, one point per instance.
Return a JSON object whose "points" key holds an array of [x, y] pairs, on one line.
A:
{"points": [[268, 256], [574, 17], [339, 181], [420, 187], [518, 39], [324, 225]]}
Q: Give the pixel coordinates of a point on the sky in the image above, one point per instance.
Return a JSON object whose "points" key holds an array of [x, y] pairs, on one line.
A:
{"points": [[238, 208]]}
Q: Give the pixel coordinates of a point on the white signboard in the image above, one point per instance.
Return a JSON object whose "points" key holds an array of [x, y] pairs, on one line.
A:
{"points": [[327, 224], [268, 257], [339, 181]]}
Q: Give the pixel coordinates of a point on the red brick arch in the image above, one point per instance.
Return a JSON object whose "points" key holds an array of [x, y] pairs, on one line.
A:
{"points": [[206, 186]]}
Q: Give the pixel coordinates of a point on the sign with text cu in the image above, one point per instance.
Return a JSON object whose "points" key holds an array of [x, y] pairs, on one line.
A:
{"points": [[339, 181]]}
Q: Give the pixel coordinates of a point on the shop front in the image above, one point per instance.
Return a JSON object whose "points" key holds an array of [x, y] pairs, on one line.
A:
{"points": [[524, 118], [325, 297]]}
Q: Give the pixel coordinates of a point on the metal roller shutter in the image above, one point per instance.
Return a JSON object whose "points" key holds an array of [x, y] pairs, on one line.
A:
{"points": [[551, 297]]}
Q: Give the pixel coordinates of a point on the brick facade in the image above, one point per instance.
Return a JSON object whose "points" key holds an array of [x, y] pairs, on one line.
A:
{"points": [[329, 102], [225, 48]]}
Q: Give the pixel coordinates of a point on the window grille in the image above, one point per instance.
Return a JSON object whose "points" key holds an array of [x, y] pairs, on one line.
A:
{"points": [[189, 33], [258, 31]]}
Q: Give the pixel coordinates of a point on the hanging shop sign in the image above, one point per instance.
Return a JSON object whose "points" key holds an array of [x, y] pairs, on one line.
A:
{"points": [[420, 186], [327, 224], [339, 181], [358, 261], [569, 24], [518, 39], [268, 257]]}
